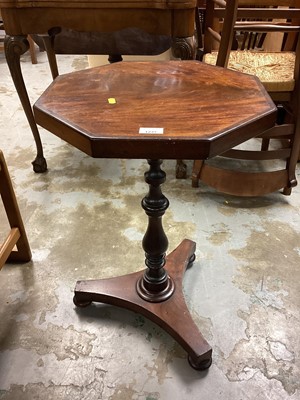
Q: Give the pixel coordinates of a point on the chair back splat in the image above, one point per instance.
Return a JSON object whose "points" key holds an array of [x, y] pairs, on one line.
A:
{"points": [[261, 38]]}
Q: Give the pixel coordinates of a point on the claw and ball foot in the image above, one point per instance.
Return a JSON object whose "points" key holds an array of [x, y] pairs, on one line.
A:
{"points": [[39, 165]]}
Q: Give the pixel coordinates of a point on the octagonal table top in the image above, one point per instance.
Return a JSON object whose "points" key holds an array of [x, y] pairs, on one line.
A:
{"points": [[168, 110]]}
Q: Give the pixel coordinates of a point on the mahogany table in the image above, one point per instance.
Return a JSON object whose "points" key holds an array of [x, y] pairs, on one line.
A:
{"points": [[158, 110], [173, 18]]}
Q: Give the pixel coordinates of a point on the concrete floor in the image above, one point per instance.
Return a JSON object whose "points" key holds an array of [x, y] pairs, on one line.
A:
{"points": [[84, 220]]}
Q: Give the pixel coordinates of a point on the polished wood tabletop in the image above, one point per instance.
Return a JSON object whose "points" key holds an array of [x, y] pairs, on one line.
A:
{"points": [[169, 110]]}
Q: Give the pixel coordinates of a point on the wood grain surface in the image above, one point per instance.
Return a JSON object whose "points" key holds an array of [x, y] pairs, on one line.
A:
{"points": [[203, 110]]}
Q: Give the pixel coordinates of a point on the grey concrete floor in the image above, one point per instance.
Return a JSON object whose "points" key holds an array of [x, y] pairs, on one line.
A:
{"points": [[83, 219]]}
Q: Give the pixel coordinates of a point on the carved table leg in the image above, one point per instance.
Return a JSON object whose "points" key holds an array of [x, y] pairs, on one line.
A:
{"points": [[157, 292], [186, 49], [15, 46], [196, 172]]}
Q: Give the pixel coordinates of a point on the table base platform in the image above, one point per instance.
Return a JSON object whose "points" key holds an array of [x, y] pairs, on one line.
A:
{"points": [[172, 314]]}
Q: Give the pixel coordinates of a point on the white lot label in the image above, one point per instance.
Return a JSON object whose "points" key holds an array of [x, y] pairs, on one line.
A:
{"points": [[152, 131]]}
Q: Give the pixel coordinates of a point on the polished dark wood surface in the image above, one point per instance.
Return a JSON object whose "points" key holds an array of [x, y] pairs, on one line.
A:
{"points": [[85, 15], [193, 102], [172, 315], [160, 21], [157, 291]]}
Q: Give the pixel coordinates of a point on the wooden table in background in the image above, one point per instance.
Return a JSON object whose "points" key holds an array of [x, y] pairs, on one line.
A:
{"points": [[174, 18]]}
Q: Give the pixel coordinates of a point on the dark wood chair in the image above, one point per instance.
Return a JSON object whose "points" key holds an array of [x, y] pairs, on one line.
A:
{"points": [[17, 235], [266, 164]]}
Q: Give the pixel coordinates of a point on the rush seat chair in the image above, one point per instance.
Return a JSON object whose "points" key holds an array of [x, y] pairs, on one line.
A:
{"points": [[270, 164]]}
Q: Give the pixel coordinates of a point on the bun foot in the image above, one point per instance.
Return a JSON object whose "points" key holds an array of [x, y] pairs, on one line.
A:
{"points": [[191, 260], [81, 304], [200, 365]]}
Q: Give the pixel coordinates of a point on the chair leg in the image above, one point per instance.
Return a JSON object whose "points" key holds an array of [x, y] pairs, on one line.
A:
{"points": [[180, 169], [265, 144], [197, 166], [48, 41], [32, 50], [17, 235], [112, 58], [292, 163], [287, 191]]}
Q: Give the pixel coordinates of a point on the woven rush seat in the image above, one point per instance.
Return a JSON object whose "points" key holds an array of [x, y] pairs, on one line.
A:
{"points": [[275, 70], [268, 163]]}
